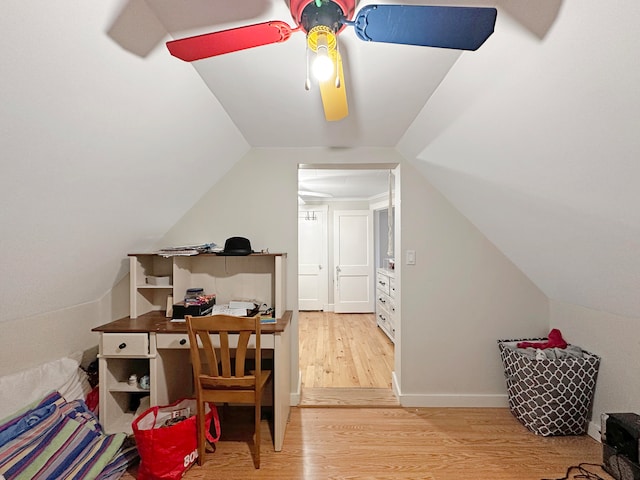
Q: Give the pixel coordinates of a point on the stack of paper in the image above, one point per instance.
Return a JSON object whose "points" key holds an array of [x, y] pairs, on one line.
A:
{"points": [[186, 250]]}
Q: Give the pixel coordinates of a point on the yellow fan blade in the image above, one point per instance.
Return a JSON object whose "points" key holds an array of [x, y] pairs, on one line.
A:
{"points": [[334, 99]]}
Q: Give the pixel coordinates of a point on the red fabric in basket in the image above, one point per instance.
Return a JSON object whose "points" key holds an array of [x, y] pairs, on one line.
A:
{"points": [[554, 340]]}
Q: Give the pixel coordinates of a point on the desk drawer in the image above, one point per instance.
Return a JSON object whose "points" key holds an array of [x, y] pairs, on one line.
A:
{"points": [[178, 340], [172, 340], [124, 344]]}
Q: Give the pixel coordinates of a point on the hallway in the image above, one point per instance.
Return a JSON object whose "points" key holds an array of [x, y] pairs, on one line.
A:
{"points": [[345, 359]]}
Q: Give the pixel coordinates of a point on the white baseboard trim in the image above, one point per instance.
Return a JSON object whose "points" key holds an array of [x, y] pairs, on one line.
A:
{"points": [[446, 400], [394, 385], [296, 394], [450, 400], [593, 430]]}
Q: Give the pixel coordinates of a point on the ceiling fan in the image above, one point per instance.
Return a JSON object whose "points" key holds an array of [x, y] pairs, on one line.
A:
{"points": [[461, 28]]}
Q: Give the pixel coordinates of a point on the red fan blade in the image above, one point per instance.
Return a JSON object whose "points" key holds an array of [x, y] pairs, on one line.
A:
{"points": [[232, 40]]}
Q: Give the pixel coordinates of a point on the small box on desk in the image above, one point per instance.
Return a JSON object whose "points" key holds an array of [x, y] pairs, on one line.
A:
{"points": [[181, 309]]}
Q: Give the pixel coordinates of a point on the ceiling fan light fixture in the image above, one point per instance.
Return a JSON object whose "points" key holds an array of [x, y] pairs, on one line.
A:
{"points": [[322, 65], [322, 41]]}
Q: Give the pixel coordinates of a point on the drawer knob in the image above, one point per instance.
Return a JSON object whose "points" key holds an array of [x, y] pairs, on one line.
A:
{"points": [[122, 346], [183, 341]]}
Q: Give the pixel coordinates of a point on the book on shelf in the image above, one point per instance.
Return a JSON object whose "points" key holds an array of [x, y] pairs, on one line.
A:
{"points": [[265, 319]]}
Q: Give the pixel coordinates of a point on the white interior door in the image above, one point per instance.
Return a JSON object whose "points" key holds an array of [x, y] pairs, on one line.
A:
{"points": [[312, 258], [353, 261]]}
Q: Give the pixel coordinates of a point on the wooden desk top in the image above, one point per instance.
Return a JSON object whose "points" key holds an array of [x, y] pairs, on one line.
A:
{"points": [[156, 322]]}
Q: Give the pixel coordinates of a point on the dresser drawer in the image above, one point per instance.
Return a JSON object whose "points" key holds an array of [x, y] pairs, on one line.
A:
{"points": [[383, 321], [392, 287], [382, 283], [383, 300], [124, 344], [391, 306]]}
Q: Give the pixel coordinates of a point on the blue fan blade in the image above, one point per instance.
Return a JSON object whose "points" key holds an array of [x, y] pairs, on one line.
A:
{"points": [[462, 28]]}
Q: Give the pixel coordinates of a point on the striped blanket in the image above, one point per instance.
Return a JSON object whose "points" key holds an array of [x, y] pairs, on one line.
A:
{"points": [[55, 439]]}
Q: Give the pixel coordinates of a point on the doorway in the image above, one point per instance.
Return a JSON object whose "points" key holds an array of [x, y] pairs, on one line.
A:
{"points": [[342, 351]]}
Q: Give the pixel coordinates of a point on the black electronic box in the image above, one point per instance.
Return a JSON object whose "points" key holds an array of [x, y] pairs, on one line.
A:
{"points": [[620, 434]]}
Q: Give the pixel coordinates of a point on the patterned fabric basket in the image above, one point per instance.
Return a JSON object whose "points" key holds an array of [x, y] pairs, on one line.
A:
{"points": [[549, 397]]}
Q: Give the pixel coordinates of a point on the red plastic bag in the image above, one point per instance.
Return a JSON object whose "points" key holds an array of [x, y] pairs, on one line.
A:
{"points": [[166, 437]]}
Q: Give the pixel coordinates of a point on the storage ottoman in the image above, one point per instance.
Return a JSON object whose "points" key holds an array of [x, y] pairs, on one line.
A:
{"points": [[549, 397]]}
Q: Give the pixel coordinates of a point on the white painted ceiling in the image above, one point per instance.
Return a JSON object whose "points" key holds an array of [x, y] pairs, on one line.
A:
{"points": [[262, 89], [340, 184], [534, 137]]}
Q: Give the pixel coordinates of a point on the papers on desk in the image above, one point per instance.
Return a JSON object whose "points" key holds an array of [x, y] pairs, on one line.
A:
{"points": [[229, 310], [234, 308], [186, 250], [234, 304]]}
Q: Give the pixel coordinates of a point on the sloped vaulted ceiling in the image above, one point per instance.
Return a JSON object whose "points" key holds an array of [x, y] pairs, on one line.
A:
{"points": [[101, 150], [545, 158], [533, 137]]}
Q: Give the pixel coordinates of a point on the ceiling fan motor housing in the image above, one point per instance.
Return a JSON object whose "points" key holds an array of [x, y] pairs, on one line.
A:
{"points": [[330, 13]]}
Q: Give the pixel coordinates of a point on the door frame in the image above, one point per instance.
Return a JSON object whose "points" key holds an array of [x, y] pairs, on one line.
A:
{"points": [[397, 170]]}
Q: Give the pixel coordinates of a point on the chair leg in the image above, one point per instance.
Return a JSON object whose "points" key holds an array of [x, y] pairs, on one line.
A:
{"points": [[200, 426], [257, 436]]}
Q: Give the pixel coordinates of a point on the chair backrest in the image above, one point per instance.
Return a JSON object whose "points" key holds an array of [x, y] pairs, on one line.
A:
{"points": [[223, 370]]}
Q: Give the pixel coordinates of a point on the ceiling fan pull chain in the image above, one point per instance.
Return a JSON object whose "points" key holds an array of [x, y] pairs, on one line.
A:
{"points": [[337, 71], [307, 82]]}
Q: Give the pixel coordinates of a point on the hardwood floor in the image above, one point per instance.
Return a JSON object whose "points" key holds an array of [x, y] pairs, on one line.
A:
{"points": [[343, 351], [382, 443], [397, 443], [345, 360]]}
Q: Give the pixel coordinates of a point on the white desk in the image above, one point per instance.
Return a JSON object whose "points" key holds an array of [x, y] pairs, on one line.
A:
{"points": [[153, 344]]}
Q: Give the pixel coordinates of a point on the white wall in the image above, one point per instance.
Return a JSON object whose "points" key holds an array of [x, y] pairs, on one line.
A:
{"points": [[27, 342], [616, 340], [535, 140], [102, 152], [461, 297]]}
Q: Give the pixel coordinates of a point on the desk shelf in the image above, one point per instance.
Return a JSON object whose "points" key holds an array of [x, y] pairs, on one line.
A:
{"points": [[125, 387], [147, 343], [259, 276], [118, 399]]}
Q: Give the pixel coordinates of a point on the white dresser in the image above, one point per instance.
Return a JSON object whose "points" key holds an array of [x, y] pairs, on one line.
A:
{"points": [[385, 301]]}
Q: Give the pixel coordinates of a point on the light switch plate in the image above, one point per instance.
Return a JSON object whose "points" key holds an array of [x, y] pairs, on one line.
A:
{"points": [[411, 257]]}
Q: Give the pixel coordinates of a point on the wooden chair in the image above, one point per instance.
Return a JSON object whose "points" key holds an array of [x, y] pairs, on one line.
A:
{"points": [[216, 381]]}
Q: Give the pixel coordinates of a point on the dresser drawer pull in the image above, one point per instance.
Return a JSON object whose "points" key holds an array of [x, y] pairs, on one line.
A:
{"points": [[183, 341], [122, 346]]}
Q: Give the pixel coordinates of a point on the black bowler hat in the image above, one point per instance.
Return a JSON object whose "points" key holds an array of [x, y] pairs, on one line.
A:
{"points": [[236, 246]]}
